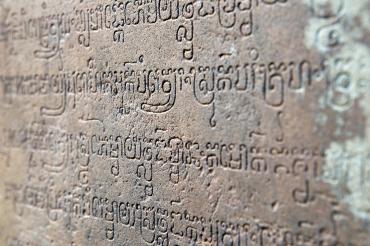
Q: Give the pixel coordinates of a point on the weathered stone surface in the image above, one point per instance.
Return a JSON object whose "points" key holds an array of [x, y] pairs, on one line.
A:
{"points": [[185, 122]]}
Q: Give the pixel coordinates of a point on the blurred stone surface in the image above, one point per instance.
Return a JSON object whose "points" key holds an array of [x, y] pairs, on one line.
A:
{"points": [[184, 122]]}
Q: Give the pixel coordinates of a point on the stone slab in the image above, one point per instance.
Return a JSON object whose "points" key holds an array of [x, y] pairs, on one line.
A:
{"points": [[184, 122]]}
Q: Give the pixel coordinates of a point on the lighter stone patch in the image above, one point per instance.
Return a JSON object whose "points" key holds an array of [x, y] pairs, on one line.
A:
{"points": [[336, 31]]}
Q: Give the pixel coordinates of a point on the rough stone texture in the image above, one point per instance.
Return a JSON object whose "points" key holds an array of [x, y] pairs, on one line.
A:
{"points": [[185, 122]]}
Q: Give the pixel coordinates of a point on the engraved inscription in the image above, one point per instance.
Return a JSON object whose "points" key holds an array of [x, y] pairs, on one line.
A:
{"points": [[184, 122]]}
